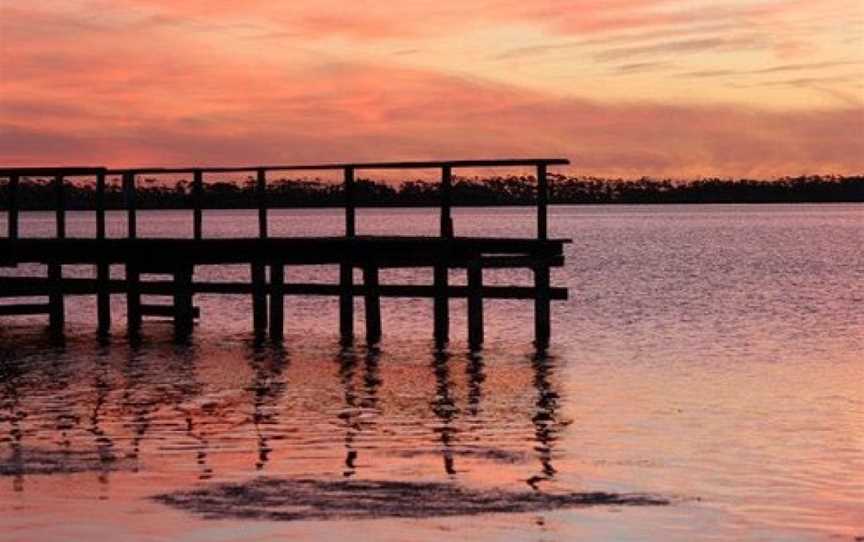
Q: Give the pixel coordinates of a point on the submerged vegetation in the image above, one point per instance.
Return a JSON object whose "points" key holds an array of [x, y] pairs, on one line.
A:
{"points": [[509, 190]]}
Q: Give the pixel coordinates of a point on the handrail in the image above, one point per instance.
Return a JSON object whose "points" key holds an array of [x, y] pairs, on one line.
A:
{"points": [[129, 177], [507, 162], [71, 171]]}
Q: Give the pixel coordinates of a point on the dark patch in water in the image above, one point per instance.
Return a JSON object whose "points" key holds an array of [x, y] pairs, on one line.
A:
{"points": [[282, 499], [33, 461], [493, 454]]}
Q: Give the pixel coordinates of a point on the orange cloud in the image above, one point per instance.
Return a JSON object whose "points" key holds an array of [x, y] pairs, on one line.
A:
{"points": [[355, 112], [163, 83]]}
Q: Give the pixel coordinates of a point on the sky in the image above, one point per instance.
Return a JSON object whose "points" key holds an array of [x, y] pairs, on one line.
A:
{"points": [[675, 88]]}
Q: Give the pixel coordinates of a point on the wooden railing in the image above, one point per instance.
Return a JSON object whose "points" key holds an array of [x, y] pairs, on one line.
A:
{"points": [[130, 176]]}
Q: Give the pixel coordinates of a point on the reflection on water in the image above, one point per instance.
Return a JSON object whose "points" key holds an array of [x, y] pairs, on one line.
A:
{"points": [[122, 411], [545, 422], [160, 405], [103, 442], [267, 387], [444, 408], [708, 355]]}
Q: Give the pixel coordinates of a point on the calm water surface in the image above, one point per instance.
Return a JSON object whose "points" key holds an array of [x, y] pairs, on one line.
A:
{"points": [[708, 355]]}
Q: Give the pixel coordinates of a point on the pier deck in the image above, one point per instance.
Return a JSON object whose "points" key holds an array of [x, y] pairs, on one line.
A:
{"points": [[178, 258]]}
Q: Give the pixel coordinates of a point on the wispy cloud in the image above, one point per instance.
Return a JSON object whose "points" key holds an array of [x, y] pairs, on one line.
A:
{"points": [[771, 70], [166, 82], [362, 112], [682, 46], [642, 67]]}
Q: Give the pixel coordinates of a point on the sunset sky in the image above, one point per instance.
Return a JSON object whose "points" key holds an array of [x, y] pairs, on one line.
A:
{"points": [[621, 87]]}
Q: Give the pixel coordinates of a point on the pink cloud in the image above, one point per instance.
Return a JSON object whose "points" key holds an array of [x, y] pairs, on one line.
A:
{"points": [[146, 93], [353, 112]]}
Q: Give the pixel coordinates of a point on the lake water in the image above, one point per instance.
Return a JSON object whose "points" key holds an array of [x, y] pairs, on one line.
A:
{"points": [[709, 357]]}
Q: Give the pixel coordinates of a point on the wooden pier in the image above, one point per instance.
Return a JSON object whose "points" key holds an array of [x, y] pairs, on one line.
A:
{"points": [[177, 258]]}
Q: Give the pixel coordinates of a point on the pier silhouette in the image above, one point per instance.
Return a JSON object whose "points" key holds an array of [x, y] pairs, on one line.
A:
{"points": [[268, 256]]}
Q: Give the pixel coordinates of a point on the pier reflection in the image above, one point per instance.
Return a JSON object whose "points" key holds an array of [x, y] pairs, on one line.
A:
{"points": [[103, 441], [546, 427], [194, 411], [349, 414], [136, 403], [183, 393], [268, 363], [359, 412], [476, 377], [11, 387], [445, 409]]}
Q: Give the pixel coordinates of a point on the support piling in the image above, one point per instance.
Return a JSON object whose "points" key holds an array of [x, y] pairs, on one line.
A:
{"points": [[277, 301], [372, 300], [475, 303]]}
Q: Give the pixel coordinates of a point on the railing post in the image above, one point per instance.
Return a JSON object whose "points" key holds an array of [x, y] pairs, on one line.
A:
{"points": [[442, 301], [131, 211], [197, 196], [346, 268], [261, 197], [446, 202], [542, 202], [100, 205], [350, 223], [56, 306], [12, 215], [103, 294], [60, 203], [542, 311], [133, 274]]}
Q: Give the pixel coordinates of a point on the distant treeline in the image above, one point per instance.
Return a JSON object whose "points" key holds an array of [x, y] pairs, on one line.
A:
{"points": [[512, 190]]}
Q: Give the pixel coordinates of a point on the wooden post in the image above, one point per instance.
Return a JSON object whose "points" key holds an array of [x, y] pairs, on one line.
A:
{"points": [[446, 218], [12, 215], [131, 211], [475, 303], [259, 270], [372, 301], [103, 295], [259, 298], [350, 221], [197, 197], [133, 275], [103, 299], [56, 309], [60, 206], [346, 271], [542, 202], [441, 305], [100, 205], [541, 306], [133, 299], [261, 197], [440, 279], [277, 301], [541, 271], [346, 301], [183, 309]]}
